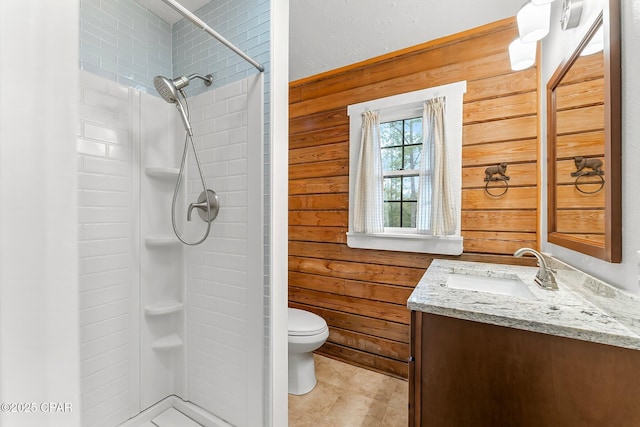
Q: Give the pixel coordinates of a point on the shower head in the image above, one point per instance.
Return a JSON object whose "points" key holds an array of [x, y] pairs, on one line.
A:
{"points": [[168, 90]]}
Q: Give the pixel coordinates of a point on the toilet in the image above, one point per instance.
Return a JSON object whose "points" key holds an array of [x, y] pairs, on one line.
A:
{"points": [[307, 332]]}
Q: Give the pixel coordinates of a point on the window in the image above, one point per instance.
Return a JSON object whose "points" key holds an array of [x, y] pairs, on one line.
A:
{"points": [[401, 146]]}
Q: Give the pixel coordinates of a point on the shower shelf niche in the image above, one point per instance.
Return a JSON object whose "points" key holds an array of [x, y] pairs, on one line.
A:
{"points": [[161, 241], [162, 173], [163, 308], [170, 342]]}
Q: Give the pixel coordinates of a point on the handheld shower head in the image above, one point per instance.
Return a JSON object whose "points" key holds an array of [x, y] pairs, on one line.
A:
{"points": [[168, 90]]}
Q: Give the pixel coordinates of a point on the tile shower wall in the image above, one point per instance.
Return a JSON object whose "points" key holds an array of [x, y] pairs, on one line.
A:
{"points": [[108, 276], [124, 42], [224, 285], [245, 23]]}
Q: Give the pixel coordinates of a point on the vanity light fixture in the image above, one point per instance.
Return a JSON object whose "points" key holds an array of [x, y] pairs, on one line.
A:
{"points": [[571, 11], [533, 21], [533, 25], [522, 55]]}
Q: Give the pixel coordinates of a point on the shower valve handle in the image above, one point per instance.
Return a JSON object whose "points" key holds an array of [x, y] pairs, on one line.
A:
{"points": [[202, 206], [206, 213]]}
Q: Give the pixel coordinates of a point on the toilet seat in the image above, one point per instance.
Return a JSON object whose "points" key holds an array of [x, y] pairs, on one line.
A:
{"points": [[304, 323]]}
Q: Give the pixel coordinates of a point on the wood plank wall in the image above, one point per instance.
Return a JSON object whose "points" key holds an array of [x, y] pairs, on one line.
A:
{"points": [[362, 293]]}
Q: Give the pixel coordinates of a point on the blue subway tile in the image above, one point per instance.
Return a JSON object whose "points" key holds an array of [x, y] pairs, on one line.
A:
{"points": [[109, 7], [136, 43]]}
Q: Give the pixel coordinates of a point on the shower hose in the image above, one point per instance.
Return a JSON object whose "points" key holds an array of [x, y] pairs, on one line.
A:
{"points": [[188, 139]]}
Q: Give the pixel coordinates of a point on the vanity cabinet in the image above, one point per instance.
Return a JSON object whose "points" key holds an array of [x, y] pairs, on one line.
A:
{"points": [[466, 373]]}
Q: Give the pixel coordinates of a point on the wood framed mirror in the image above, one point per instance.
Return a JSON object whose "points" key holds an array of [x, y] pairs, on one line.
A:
{"points": [[584, 144]]}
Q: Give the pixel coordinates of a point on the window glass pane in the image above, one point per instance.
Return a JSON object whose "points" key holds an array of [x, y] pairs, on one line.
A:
{"points": [[409, 214], [391, 134], [392, 214], [413, 131], [401, 148], [392, 158], [412, 157], [409, 188], [392, 188]]}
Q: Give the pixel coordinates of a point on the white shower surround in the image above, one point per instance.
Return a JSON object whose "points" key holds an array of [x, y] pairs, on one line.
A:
{"points": [[219, 367], [224, 329]]}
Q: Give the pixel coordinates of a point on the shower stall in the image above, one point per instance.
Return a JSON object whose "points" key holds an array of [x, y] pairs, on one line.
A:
{"points": [[116, 317], [191, 316]]}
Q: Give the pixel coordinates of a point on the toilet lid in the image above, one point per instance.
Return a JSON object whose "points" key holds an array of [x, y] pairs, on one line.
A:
{"points": [[303, 322]]}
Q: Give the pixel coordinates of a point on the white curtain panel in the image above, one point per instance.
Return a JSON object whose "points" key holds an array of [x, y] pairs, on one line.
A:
{"points": [[368, 200], [425, 179], [439, 218], [39, 338]]}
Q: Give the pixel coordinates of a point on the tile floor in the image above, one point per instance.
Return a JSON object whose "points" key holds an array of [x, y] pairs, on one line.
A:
{"points": [[348, 396]]}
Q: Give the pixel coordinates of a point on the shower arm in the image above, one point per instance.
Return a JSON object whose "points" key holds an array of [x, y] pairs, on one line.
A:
{"points": [[182, 82], [200, 23], [208, 79]]}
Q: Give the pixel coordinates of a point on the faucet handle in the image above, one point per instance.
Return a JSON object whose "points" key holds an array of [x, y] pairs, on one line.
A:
{"points": [[546, 278], [208, 212], [202, 206]]}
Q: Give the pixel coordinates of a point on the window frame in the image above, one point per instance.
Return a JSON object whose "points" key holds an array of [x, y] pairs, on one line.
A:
{"points": [[405, 106]]}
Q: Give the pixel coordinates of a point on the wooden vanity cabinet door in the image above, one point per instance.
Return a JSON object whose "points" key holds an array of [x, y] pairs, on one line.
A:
{"points": [[473, 374]]}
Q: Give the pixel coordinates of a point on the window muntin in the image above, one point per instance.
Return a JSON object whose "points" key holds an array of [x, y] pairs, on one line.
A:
{"points": [[401, 146]]}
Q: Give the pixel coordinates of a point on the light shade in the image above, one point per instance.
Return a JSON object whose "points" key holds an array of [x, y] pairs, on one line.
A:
{"points": [[533, 22], [539, 2], [522, 55]]}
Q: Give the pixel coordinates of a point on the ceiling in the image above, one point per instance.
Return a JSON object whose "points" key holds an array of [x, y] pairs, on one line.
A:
{"points": [[328, 34]]}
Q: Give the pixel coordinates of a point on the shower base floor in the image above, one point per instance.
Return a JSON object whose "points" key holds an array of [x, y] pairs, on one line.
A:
{"points": [[174, 412], [171, 418]]}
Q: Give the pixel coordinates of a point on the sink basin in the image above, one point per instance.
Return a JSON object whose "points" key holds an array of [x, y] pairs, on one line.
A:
{"points": [[511, 286]]}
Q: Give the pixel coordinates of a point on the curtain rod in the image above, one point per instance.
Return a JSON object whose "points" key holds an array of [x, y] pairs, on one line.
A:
{"points": [[200, 23]]}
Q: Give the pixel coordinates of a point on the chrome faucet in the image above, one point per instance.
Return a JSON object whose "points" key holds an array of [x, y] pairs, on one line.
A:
{"points": [[544, 278]]}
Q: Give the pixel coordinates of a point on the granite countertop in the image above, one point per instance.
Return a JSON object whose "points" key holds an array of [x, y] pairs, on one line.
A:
{"points": [[583, 308]]}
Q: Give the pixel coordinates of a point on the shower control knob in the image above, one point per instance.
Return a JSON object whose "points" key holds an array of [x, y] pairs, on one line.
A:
{"points": [[201, 205]]}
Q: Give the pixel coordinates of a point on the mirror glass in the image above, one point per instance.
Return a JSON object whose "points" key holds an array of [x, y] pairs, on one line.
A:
{"points": [[584, 194]]}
